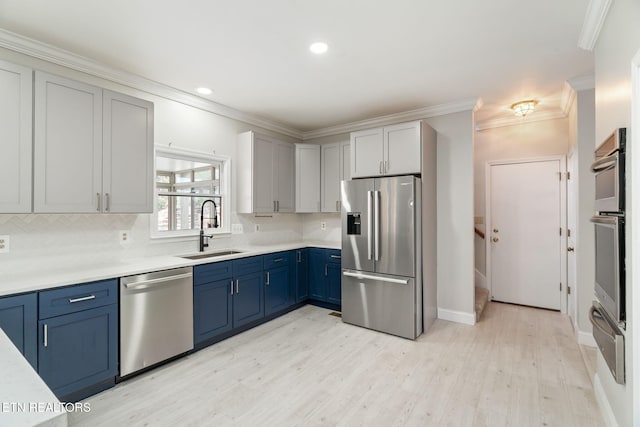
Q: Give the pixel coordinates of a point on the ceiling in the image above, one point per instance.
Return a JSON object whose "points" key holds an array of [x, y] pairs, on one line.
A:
{"points": [[384, 57]]}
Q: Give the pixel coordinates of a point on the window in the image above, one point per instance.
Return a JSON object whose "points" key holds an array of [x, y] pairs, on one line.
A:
{"points": [[184, 181]]}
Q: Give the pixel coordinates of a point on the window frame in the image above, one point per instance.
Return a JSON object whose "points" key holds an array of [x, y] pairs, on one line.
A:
{"points": [[225, 191]]}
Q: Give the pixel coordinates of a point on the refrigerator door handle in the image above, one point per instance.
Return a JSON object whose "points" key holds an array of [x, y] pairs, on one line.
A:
{"points": [[372, 277], [376, 225], [369, 223]]}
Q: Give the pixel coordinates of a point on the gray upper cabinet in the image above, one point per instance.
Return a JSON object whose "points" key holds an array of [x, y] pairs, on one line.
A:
{"points": [[307, 178], [265, 174], [391, 150], [15, 138], [93, 149], [67, 146], [336, 166], [127, 153]]}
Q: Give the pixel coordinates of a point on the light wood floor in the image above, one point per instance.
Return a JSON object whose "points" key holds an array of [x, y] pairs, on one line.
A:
{"points": [[518, 366]]}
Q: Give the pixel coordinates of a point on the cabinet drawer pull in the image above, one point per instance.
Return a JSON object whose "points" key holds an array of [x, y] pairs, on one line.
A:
{"points": [[278, 260], [299, 256], [268, 277], [336, 256], [326, 269], [380, 167], [98, 197], [237, 286], [90, 297], [46, 335], [106, 202], [231, 286]]}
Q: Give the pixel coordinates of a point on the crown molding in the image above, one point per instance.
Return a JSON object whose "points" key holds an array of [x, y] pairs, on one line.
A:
{"points": [[538, 116], [65, 58], [572, 86], [568, 96], [593, 21], [472, 104]]}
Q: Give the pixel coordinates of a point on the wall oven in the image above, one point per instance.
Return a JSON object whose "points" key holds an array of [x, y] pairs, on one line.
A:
{"points": [[609, 169], [610, 267]]}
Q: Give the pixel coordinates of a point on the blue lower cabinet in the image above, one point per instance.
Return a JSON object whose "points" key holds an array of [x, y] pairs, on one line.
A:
{"points": [[212, 309], [19, 320], [325, 276], [248, 298], [334, 283], [277, 289], [316, 274], [78, 350], [302, 275]]}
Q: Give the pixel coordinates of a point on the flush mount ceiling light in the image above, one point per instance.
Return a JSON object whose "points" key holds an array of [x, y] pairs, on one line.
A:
{"points": [[204, 91], [523, 108], [318, 48]]}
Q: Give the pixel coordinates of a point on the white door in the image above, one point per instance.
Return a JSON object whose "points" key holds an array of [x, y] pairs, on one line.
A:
{"points": [[402, 153], [15, 137], [67, 146], [524, 233], [330, 177], [572, 217], [127, 181], [367, 153]]}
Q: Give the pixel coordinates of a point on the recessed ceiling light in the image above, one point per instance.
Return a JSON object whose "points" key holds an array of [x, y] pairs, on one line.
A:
{"points": [[204, 91], [318, 48]]}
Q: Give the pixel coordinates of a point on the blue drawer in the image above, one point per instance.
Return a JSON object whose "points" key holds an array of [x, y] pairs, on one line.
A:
{"points": [[277, 259], [334, 255], [207, 273], [77, 298], [247, 265]]}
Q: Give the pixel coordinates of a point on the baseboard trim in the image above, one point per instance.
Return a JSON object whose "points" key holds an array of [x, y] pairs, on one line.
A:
{"points": [[586, 338], [457, 316], [603, 402], [480, 280]]}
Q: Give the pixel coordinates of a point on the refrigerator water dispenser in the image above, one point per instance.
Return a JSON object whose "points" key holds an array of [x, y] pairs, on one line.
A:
{"points": [[353, 223]]}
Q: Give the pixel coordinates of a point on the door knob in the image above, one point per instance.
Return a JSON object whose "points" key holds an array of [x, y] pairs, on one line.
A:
{"points": [[495, 230], [496, 239], [570, 249]]}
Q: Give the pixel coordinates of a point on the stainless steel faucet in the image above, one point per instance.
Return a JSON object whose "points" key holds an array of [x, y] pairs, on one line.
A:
{"points": [[204, 244]]}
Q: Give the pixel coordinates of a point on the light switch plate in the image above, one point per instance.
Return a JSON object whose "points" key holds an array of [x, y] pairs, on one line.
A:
{"points": [[5, 244], [323, 226]]}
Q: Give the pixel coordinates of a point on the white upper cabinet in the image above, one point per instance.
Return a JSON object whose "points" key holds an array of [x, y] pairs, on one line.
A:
{"points": [[67, 146], [392, 150], [265, 174], [93, 151], [127, 152], [15, 138], [307, 178], [336, 167]]}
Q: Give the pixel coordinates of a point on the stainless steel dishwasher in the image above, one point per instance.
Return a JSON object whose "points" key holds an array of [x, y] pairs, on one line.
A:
{"points": [[156, 318]]}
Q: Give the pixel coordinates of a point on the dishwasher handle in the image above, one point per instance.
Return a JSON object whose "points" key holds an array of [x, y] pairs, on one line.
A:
{"points": [[151, 282]]}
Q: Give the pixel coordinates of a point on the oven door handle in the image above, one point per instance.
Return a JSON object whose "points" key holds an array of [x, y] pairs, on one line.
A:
{"points": [[605, 163], [596, 323], [609, 220]]}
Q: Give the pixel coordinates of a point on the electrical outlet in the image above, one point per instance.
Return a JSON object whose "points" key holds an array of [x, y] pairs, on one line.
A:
{"points": [[236, 229], [323, 226], [123, 237], [256, 227], [5, 244]]}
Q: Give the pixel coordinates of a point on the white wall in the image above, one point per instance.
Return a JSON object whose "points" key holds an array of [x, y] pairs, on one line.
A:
{"points": [[97, 235], [526, 140], [582, 137], [617, 44]]}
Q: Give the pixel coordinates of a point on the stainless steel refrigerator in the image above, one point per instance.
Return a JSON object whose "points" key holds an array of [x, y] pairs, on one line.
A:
{"points": [[381, 254]]}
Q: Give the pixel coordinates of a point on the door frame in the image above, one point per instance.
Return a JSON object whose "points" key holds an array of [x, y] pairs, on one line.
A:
{"points": [[573, 184], [562, 159]]}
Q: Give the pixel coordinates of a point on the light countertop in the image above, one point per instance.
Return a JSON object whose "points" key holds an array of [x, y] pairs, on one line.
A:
{"points": [[25, 400], [71, 270]]}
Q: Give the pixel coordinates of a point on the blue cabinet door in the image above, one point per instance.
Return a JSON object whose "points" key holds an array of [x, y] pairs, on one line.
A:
{"points": [[334, 288], [302, 275], [19, 321], [276, 289], [248, 298], [78, 350], [317, 274], [212, 309]]}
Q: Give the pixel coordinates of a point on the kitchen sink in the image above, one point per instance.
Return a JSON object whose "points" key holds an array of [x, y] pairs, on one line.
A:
{"points": [[211, 254]]}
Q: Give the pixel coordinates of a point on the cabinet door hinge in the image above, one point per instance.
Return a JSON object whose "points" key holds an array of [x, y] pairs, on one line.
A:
{"points": [[560, 176], [568, 176], [568, 232], [560, 286], [561, 231], [568, 290]]}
